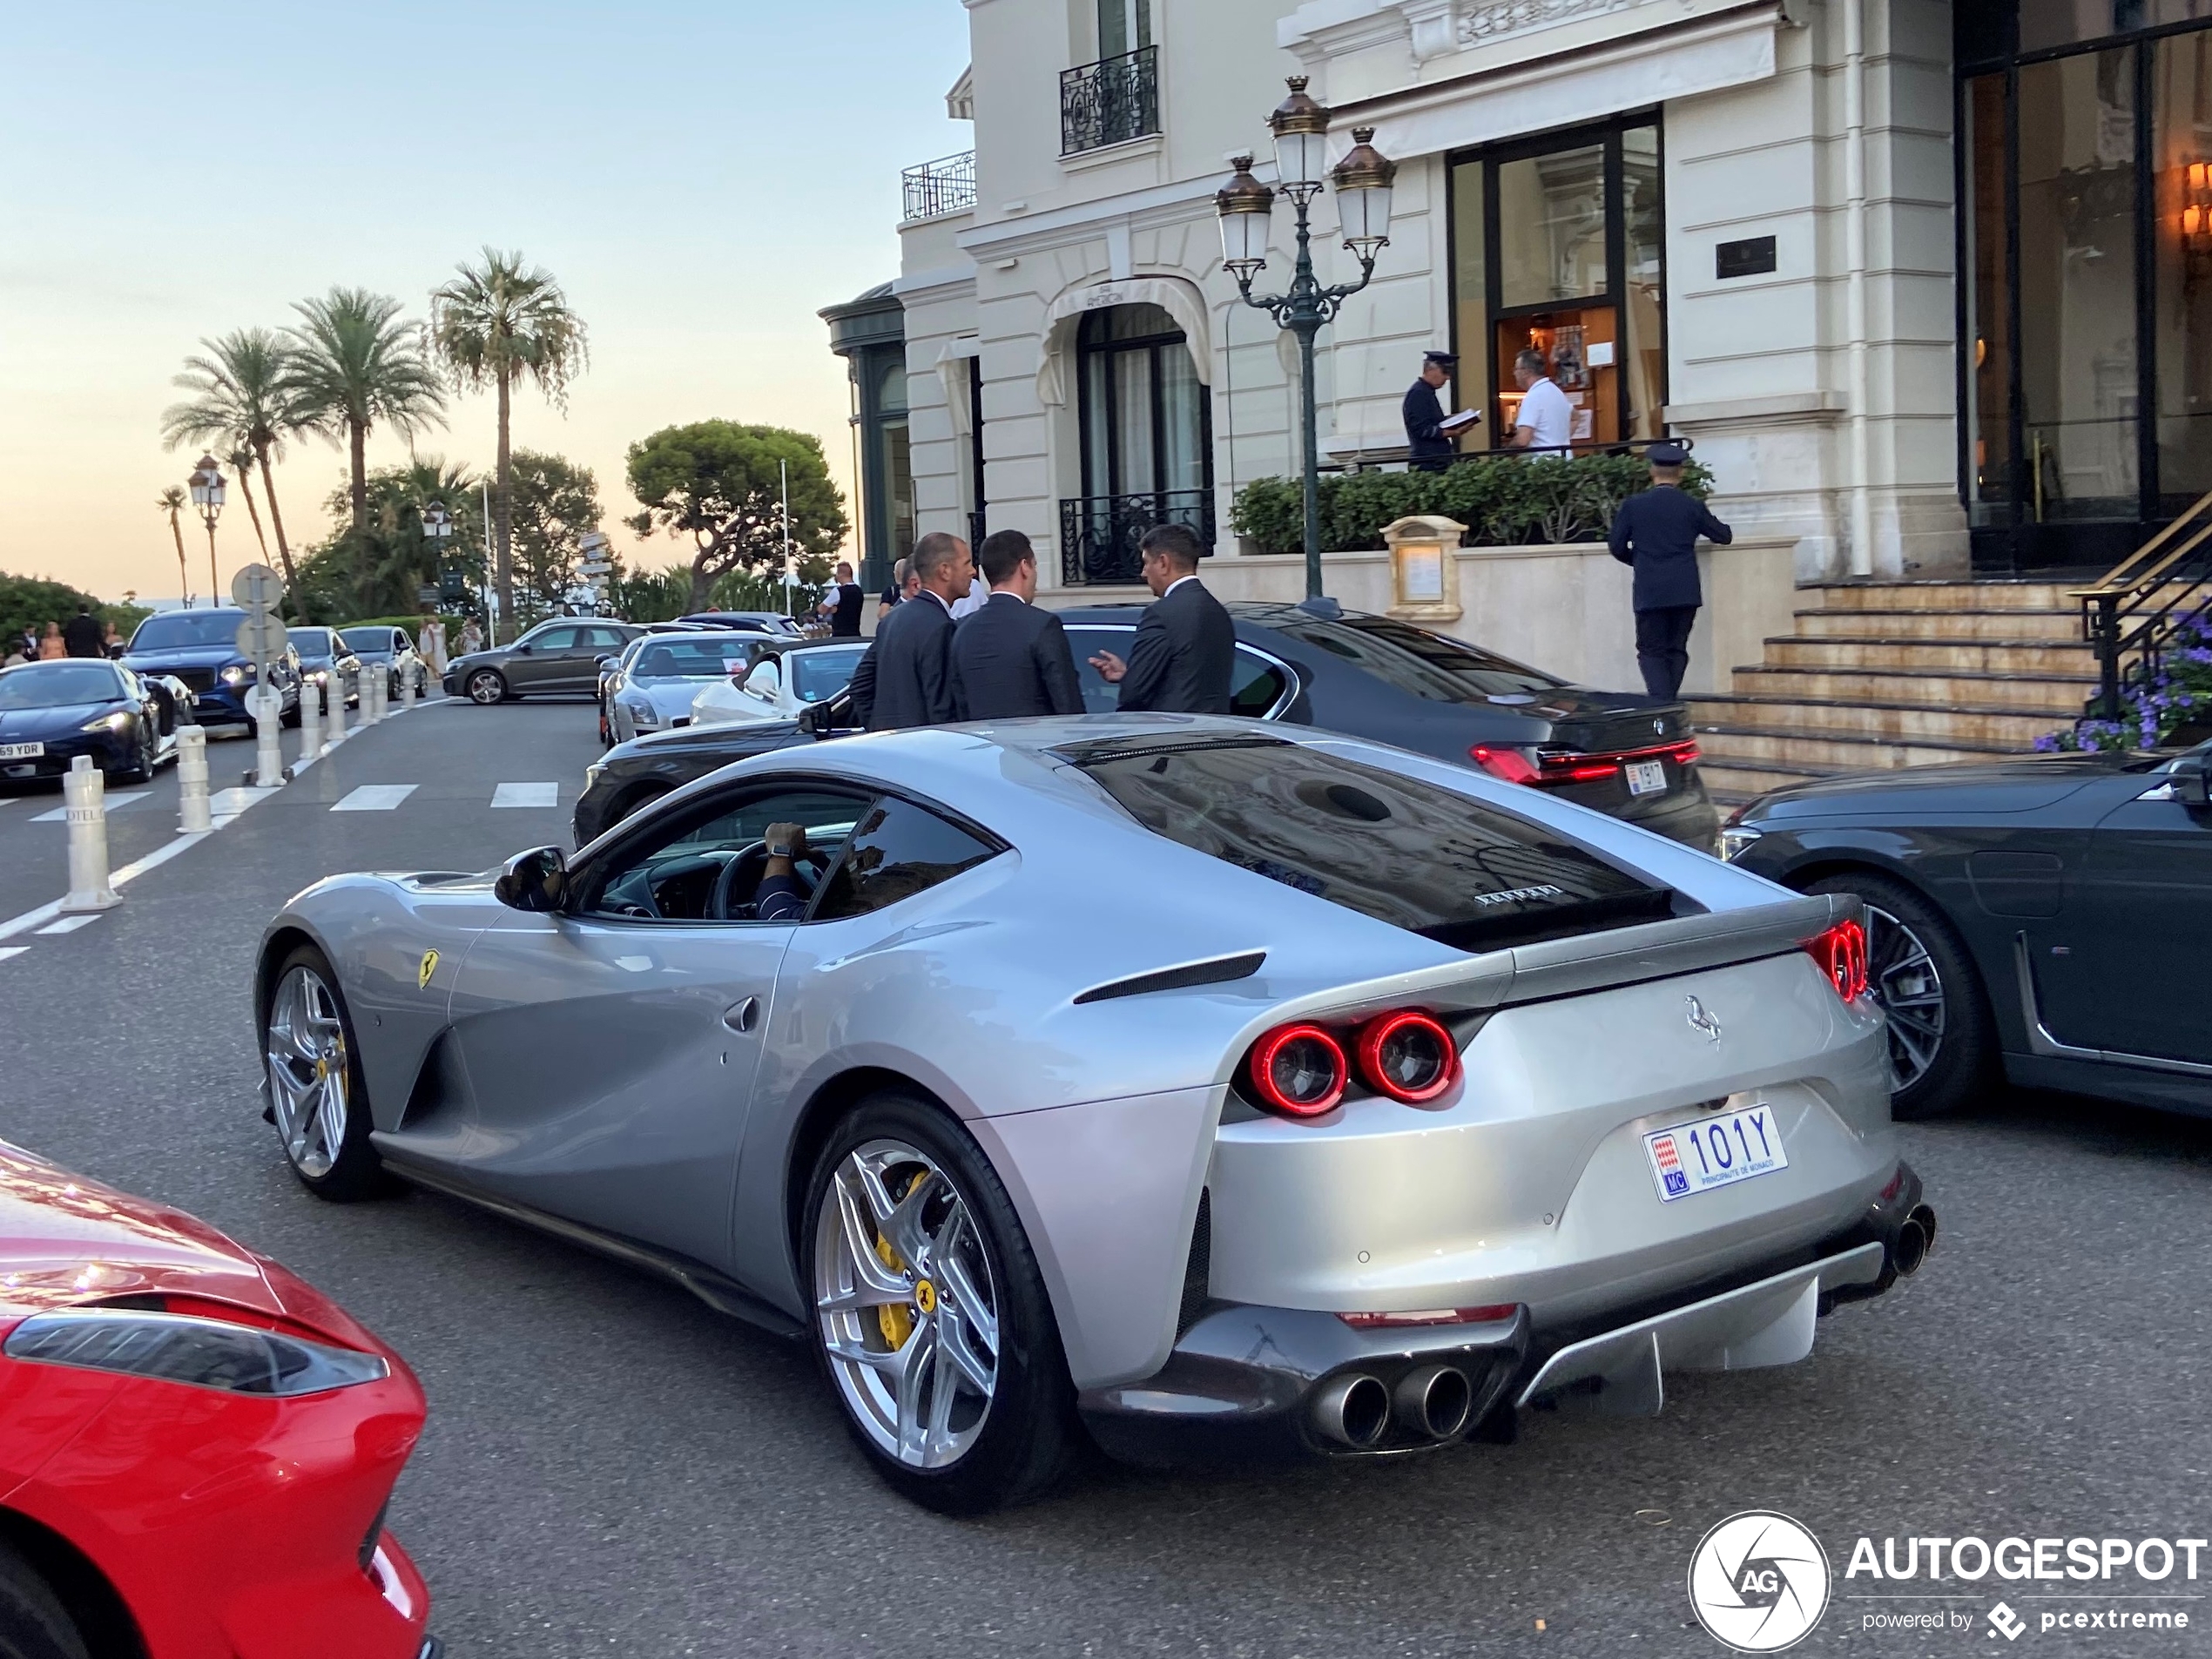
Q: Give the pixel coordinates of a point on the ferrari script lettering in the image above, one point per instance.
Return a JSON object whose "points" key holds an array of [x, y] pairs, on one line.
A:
{"points": [[1511, 895]]}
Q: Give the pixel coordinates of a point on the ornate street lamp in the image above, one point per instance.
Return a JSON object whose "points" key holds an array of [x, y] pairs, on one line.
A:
{"points": [[207, 493], [1363, 181]]}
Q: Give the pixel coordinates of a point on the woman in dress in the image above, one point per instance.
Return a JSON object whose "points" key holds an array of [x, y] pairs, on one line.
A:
{"points": [[50, 644], [432, 645], [472, 637]]}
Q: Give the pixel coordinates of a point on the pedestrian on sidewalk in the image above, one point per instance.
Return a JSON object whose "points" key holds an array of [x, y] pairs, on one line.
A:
{"points": [[1011, 657], [906, 679], [432, 644], [52, 648], [472, 637], [82, 636], [1184, 658], [842, 603], [1656, 533]]}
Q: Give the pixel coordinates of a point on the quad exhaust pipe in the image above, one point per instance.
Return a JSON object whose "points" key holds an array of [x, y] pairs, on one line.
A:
{"points": [[1353, 1410], [1430, 1402], [1915, 1238], [1434, 1400]]}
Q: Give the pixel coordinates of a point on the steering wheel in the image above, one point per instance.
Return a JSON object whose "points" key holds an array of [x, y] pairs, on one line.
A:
{"points": [[810, 868]]}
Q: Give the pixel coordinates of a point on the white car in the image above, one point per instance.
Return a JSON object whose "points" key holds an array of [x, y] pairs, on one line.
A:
{"points": [[787, 680], [652, 687]]}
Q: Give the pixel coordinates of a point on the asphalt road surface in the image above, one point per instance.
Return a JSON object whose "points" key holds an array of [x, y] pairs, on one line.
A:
{"points": [[610, 1467]]}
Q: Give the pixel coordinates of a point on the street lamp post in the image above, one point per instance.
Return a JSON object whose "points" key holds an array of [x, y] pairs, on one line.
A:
{"points": [[1363, 181], [207, 494]]}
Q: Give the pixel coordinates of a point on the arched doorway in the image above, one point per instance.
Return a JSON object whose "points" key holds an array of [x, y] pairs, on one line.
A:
{"points": [[1146, 424]]}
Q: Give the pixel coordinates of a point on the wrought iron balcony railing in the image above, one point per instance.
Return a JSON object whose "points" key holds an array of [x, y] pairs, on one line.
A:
{"points": [[936, 188], [1109, 102], [1099, 533]]}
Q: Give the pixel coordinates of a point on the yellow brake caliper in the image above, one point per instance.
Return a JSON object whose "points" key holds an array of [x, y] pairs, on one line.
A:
{"points": [[895, 1320]]}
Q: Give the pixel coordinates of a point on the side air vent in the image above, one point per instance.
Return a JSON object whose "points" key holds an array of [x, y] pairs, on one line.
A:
{"points": [[1219, 971], [1197, 1270]]}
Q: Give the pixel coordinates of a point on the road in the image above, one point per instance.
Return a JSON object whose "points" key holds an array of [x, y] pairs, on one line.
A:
{"points": [[610, 1467]]}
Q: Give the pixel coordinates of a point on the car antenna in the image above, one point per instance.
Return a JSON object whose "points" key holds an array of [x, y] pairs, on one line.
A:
{"points": [[1322, 606]]}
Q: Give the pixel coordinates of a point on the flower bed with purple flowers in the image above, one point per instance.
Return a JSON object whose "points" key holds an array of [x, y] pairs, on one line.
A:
{"points": [[2173, 704]]}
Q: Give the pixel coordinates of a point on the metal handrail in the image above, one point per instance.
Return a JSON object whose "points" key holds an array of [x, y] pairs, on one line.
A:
{"points": [[2156, 583], [939, 187]]}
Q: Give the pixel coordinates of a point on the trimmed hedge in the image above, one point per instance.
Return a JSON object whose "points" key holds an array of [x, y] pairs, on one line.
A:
{"points": [[1505, 500]]}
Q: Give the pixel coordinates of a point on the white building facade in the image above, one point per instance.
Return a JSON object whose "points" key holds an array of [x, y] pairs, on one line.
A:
{"points": [[1742, 222]]}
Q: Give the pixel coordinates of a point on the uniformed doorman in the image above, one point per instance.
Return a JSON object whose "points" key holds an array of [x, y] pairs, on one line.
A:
{"points": [[1656, 533], [1433, 448]]}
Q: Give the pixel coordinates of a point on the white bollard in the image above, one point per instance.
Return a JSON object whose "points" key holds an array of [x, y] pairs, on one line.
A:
{"points": [[85, 792], [406, 690], [310, 720], [191, 781], [372, 696], [267, 704], [337, 713]]}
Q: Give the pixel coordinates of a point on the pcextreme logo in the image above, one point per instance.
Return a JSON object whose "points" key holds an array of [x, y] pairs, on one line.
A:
{"points": [[1758, 1582]]}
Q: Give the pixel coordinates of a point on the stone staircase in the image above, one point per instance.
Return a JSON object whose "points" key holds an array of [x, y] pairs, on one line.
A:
{"points": [[1898, 674]]}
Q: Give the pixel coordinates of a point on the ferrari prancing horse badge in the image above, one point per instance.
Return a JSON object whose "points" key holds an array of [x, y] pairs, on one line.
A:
{"points": [[429, 967]]}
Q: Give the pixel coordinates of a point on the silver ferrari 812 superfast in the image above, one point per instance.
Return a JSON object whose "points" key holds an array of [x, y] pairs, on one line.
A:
{"points": [[1227, 1091]]}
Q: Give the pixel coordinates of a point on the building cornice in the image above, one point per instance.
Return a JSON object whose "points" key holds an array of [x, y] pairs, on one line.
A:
{"points": [[1172, 204]]}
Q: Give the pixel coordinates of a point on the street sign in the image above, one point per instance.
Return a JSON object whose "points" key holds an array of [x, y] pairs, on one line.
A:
{"points": [[258, 588], [425, 595], [265, 702], [595, 568], [261, 636]]}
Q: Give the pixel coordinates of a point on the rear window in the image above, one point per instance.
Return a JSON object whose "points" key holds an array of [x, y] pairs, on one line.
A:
{"points": [[1400, 850], [1419, 663]]}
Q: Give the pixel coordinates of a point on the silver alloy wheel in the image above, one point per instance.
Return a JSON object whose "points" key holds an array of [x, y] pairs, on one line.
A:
{"points": [[305, 1050], [908, 1306], [1908, 986], [486, 688]]}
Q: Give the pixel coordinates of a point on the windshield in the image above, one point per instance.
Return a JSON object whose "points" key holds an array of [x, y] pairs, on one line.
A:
{"points": [[688, 659], [312, 641], [182, 629], [1418, 662], [358, 640], [1403, 851], [52, 686], [819, 674]]}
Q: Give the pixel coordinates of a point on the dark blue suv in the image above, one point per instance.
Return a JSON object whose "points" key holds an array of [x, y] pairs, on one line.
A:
{"points": [[200, 648]]}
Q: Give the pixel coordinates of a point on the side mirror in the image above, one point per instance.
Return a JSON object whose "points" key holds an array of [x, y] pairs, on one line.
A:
{"points": [[605, 662], [2192, 779], [537, 880], [523, 647]]}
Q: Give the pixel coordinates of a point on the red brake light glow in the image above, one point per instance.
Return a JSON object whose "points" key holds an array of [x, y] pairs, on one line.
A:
{"points": [[1408, 1055], [1574, 767], [1509, 763], [1431, 1316], [1841, 953], [1298, 1070]]}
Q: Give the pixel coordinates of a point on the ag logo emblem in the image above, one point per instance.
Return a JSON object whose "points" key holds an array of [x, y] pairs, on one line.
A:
{"points": [[1758, 1582], [429, 967]]}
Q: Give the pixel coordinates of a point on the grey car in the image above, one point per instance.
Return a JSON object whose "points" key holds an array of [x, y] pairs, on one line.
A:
{"points": [[1238, 1093], [326, 660], [556, 658], [651, 686], [381, 645]]}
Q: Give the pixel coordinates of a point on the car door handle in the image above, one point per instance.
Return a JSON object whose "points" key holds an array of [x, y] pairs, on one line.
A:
{"points": [[742, 1016]]}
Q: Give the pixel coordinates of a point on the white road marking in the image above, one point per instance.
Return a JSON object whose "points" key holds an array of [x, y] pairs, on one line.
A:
{"points": [[527, 795], [226, 804], [6, 951], [375, 797], [60, 814], [69, 924]]}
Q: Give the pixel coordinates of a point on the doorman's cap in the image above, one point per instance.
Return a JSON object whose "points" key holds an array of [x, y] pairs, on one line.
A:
{"points": [[1441, 359], [1666, 454]]}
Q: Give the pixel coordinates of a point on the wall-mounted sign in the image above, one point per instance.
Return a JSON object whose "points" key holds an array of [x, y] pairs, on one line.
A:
{"points": [[1754, 256]]}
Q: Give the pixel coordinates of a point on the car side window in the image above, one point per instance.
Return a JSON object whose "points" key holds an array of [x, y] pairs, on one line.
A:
{"points": [[708, 864], [603, 639], [1083, 643], [1257, 684], [553, 639], [898, 850]]}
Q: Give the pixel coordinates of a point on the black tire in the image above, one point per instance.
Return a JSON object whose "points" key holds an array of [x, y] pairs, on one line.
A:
{"points": [[1022, 1440], [352, 1170], [33, 1622], [144, 770], [606, 730], [1902, 926], [486, 686]]}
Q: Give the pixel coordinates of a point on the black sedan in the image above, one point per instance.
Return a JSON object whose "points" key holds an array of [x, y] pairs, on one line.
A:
{"points": [[50, 712], [1371, 677], [2047, 919]]}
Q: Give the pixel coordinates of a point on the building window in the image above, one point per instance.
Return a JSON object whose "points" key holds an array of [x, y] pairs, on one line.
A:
{"points": [[1118, 98], [1559, 245], [1147, 436], [898, 460], [2085, 255]]}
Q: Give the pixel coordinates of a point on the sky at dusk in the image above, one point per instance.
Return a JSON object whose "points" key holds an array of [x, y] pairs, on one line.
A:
{"points": [[701, 178]]}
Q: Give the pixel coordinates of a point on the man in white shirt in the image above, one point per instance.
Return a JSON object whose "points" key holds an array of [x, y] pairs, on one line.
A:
{"points": [[1547, 419]]}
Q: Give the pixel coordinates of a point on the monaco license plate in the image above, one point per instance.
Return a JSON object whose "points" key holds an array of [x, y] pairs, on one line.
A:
{"points": [[21, 751], [1646, 777], [1715, 1151]]}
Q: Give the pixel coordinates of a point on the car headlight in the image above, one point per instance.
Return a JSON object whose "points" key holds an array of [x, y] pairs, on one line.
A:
{"points": [[320, 677], [236, 675], [1737, 840], [183, 1348], [592, 774], [119, 721], [641, 713]]}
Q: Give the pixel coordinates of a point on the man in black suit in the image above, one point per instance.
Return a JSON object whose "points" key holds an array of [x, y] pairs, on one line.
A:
{"points": [[1657, 532], [82, 635], [1184, 654], [907, 677], [1012, 659]]}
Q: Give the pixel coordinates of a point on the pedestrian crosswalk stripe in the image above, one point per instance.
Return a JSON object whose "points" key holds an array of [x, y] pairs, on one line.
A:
{"points": [[69, 924], [375, 797], [60, 814], [6, 951], [527, 795]]}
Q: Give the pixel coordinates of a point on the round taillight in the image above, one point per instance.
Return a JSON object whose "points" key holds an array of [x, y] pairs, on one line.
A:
{"points": [[1299, 1069], [1407, 1055]]}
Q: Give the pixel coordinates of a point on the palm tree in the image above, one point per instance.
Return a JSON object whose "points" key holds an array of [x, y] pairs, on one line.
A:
{"points": [[241, 397], [173, 502], [355, 364], [493, 322]]}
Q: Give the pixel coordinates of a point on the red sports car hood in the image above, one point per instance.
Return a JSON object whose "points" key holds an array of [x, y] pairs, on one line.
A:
{"points": [[65, 1240]]}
